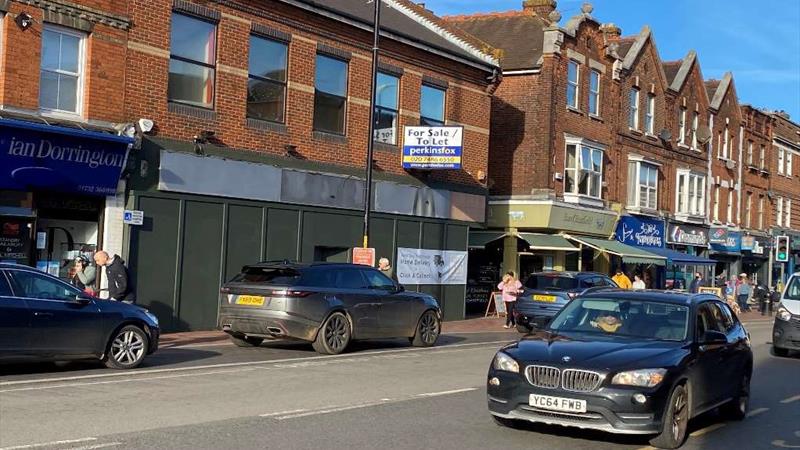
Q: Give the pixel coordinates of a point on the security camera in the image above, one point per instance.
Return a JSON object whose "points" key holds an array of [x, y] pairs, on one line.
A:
{"points": [[145, 125], [126, 129]]}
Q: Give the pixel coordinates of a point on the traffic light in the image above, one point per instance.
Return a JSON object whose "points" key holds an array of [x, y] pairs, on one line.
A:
{"points": [[782, 248]]}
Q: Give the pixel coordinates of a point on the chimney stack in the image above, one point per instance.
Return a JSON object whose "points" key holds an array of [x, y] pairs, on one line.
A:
{"points": [[611, 31], [541, 8]]}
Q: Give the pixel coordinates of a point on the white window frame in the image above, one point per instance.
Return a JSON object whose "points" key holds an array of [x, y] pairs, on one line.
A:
{"points": [[81, 75], [761, 212], [635, 187], [716, 204], [762, 157], [787, 207], [779, 212], [726, 139], [576, 84], [694, 205], [749, 153], [729, 216], [748, 210], [575, 196], [788, 171], [650, 114], [781, 159], [695, 126], [682, 126], [594, 94], [633, 106]]}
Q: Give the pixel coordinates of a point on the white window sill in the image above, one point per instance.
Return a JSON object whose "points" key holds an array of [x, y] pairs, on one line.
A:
{"points": [[595, 117], [643, 211], [584, 200], [651, 136], [574, 109], [635, 131], [63, 115], [684, 146]]}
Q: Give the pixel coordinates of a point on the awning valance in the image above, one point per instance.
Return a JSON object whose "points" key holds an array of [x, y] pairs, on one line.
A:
{"points": [[479, 239], [547, 242], [680, 258], [629, 254]]}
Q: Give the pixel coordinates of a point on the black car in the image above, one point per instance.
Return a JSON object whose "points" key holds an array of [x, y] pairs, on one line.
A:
{"points": [[546, 293], [326, 304], [44, 318], [628, 362]]}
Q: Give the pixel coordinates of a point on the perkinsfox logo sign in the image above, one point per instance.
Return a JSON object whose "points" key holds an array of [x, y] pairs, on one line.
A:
{"points": [[45, 149]]}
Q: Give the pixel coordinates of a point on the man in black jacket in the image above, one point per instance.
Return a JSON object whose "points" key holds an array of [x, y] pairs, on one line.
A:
{"points": [[119, 286]]}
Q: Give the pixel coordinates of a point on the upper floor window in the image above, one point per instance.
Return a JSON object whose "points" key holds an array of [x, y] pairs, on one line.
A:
{"points": [[650, 114], [760, 212], [633, 111], [62, 67], [781, 159], [762, 157], [748, 207], [730, 206], [787, 220], [695, 125], [779, 212], [192, 61], [573, 77], [788, 171], [749, 153], [725, 141], [642, 185], [431, 106], [330, 95], [386, 108], [716, 204], [594, 93], [583, 170], [691, 193], [266, 86], [682, 126]]}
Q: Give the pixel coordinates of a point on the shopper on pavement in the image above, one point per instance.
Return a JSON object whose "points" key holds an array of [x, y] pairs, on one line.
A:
{"points": [[85, 274], [510, 287], [696, 284], [638, 283], [386, 268], [622, 280], [119, 285], [743, 292]]}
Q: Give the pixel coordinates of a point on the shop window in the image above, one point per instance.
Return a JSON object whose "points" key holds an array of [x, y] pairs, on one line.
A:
{"points": [[330, 95], [573, 77], [432, 103], [642, 185], [583, 170], [192, 61], [62, 66], [266, 86], [386, 108]]}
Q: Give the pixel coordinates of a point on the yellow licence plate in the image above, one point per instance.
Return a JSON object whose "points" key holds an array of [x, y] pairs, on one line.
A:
{"points": [[250, 300], [545, 298]]}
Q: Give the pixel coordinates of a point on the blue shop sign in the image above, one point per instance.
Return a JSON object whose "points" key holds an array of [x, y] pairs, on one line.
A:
{"points": [[38, 156], [731, 244], [641, 232]]}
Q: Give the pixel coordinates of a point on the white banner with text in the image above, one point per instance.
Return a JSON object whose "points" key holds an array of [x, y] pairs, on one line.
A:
{"points": [[421, 266]]}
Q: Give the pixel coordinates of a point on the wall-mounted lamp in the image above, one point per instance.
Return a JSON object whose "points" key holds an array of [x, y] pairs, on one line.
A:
{"points": [[291, 151], [24, 20], [201, 139]]}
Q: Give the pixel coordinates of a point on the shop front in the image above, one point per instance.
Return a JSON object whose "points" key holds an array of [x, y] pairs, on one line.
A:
{"points": [[726, 250], [54, 187], [782, 270], [690, 240], [755, 257], [648, 234]]}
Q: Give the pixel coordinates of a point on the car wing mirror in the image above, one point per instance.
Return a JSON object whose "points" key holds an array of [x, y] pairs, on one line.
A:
{"points": [[711, 337], [83, 299]]}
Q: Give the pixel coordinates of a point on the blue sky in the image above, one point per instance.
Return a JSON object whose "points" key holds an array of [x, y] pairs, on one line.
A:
{"points": [[759, 41]]}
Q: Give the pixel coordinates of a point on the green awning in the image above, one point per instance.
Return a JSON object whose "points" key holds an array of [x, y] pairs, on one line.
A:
{"points": [[629, 254], [547, 242], [479, 239]]}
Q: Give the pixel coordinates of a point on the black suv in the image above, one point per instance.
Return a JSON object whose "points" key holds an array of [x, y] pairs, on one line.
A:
{"points": [[546, 293]]}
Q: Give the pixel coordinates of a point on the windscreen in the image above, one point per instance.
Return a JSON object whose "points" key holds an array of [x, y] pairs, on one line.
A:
{"points": [[623, 318], [268, 275], [793, 289], [551, 282]]}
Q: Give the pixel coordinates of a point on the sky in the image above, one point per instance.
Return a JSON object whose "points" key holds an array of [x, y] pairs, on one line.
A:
{"points": [[757, 40]]}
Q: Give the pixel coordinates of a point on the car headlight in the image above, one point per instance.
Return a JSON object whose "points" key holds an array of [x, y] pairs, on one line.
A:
{"points": [[505, 363], [641, 378], [783, 314], [152, 317]]}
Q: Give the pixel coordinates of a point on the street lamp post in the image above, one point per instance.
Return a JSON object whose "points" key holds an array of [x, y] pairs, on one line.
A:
{"points": [[371, 137]]}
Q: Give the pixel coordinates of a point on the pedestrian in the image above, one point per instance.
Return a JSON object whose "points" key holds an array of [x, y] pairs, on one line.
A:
{"points": [[697, 282], [386, 268], [119, 282], [638, 283], [85, 274], [743, 292], [511, 288], [622, 280]]}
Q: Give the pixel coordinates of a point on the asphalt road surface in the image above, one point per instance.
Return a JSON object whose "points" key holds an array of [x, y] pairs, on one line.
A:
{"points": [[380, 395]]}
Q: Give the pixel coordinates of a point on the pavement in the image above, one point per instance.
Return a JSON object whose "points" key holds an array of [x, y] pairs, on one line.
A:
{"points": [[211, 394]]}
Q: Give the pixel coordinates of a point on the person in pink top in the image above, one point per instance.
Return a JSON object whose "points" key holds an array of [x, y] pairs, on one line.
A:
{"points": [[510, 287]]}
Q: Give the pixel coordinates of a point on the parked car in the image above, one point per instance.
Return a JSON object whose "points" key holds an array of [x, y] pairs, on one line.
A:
{"points": [[627, 362], [546, 293], [44, 318], [327, 304], [786, 329]]}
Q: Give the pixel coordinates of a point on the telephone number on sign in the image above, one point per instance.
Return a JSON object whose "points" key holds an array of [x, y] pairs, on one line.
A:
{"points": [[432, 159]]}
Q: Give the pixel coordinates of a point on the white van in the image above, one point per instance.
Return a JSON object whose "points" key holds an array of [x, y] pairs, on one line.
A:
{"points": [[786, 331]]}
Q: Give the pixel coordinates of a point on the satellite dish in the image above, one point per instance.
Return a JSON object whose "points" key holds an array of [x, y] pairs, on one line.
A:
{"points": [[730, 164], [703, 134], [665, 135]]}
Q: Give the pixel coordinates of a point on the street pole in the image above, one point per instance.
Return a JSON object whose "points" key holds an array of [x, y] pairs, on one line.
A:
{"points": [[376, 34]]}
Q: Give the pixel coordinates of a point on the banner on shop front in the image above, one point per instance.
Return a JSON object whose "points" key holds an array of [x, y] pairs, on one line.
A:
{"points": [[422, 266], [640, 232]]}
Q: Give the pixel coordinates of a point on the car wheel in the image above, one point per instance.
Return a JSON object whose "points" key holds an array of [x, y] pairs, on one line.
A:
{"points": [[246, 341], [428, 329], [675, 421], [508, 423], [524, 328], [737, 408], [782, 352], [127, 348], [333, 336]]}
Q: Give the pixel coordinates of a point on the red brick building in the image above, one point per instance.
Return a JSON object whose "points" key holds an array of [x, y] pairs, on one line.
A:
{"points": [[785, 188]]}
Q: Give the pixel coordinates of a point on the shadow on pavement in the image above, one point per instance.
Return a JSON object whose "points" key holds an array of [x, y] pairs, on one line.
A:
{"points": [[360, 346]]}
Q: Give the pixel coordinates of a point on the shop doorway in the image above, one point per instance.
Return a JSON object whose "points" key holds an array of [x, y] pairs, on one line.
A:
{"points": [[332, 254], [531, 263]]}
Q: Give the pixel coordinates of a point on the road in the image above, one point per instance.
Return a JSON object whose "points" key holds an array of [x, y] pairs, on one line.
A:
{"points": [[284, 396]]}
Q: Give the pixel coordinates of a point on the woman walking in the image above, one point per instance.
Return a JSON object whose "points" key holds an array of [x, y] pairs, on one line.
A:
{"points": [[510, 287], [743, 292]]}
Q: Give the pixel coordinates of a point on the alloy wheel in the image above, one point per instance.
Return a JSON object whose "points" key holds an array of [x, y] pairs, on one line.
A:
{"points": [[336, 334], [429, 328], [680, 416], [127, 348]]}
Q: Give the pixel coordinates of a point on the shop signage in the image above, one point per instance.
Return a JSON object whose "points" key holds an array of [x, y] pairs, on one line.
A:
{"points": [[432, 147], [133, 217], [569, 219], [640, 231], [58, 158], [684, 234], [718, 235], [421, 266], [756, 245], [732, 242], [748, 243], [364, 256], [15, 239]]}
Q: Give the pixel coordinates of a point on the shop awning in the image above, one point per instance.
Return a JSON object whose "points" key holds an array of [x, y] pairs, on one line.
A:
{"points": [[547, 242], [680, 258], [479, 239], [629, 254]]}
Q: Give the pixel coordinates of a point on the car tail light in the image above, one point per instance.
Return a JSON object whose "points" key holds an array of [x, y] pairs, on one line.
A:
{"points": [[292, 293]]}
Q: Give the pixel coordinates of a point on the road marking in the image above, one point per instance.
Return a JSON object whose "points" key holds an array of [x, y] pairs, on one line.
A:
{"points": [[791, 399], [707, 430], [96, 446], [50, 444], [756, 412], [339, 408], [136, 373]]}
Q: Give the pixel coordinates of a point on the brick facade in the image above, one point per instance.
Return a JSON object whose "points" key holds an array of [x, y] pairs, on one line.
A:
{"points": [[785, 185]]}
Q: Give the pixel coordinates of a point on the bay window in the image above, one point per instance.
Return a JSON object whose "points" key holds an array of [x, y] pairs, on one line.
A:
{"points": [[690, 198], [642, 185], [583, 170]]}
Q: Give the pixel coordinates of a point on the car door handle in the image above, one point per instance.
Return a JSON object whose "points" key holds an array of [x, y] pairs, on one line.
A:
{"points": [[42, 314]]}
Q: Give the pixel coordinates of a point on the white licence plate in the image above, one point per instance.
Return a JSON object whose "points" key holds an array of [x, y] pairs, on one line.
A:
{"points": [[557, 403]]}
